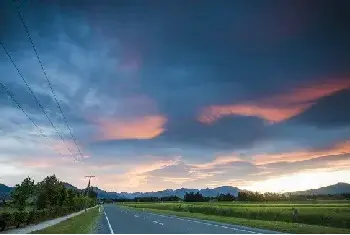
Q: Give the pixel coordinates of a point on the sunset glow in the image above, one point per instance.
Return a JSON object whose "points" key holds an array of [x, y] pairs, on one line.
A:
{"points": [[135, 128], [276, 108], [306, 180], [155, 95]]}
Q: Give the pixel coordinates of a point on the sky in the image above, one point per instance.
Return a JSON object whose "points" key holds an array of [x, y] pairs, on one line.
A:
{"points": [[171, 94]]}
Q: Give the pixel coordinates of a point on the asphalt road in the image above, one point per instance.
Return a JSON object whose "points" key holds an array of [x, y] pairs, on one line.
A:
{"points": [[117, 219]]}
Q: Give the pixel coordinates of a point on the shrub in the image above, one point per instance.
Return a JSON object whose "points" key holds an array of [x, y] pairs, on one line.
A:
{"points": [[31, 217], [6, 220], [20, 217]]}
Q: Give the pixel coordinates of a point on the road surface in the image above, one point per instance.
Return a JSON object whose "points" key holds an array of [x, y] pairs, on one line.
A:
{"points": [[116, 219]]}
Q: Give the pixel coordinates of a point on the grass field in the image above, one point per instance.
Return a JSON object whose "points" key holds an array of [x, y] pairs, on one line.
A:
{"points": [[271, 225], [332, 215], [83, 223]]}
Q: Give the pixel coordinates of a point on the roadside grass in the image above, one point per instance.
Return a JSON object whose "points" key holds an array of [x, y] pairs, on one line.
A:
{"points": [[338, 217], [262, 224], [83, 223]]}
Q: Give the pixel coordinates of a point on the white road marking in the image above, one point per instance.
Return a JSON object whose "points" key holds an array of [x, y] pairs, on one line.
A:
{"points": [[198, 222], [241, 230], [136, 216], [109, 225]]}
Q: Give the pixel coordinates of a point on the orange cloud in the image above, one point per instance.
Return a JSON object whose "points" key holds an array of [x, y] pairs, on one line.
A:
{"points": [[146, 127], [218, 161], [136, 177], [38, 163], [338, 149], [275, 108], [316, 91], [271, 114], [147, 167]]}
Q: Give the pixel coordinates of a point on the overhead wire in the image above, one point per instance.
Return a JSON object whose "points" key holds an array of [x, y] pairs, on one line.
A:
{"points": [[47, 78], [39, 130], [35, 98]]}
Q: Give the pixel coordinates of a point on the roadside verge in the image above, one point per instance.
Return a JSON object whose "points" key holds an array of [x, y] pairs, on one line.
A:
{"points": [[46, 224]]}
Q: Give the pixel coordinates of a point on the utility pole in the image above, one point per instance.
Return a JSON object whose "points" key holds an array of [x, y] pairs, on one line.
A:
{"points": [[88, 187]]}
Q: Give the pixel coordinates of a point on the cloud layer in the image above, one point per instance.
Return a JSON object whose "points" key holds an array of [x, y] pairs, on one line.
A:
{"points": [[168, 94]]}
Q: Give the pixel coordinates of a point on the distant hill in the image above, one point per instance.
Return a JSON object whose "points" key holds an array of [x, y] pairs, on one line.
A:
{"points": [[5, 190], [168, 192], [69, 186], [331, 189]]}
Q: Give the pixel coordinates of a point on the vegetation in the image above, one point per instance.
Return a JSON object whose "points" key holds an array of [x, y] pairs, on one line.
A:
{"points": [[194, 197], [83, 223], [244, 196], [331, 215], [33, 203], [263, 224], [226, 198]]}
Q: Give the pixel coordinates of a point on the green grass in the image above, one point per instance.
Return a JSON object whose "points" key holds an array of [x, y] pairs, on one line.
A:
{"points": [[336, 216], [271, 225], [83, 223]]}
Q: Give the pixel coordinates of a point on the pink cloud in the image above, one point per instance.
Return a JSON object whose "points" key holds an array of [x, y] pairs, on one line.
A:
{"points": [[278, 107], [146, 127], [335, 150], [269, 113], [218, 161]]}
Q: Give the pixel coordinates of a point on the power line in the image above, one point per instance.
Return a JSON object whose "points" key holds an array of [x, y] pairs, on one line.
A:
{"points": [[35, 98], [48, 80], [25, 113]]}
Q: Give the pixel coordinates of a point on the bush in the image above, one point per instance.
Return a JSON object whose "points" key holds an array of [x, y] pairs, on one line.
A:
{"points": [[20, 217], [31, 217], [41, 215], [6, 220]]}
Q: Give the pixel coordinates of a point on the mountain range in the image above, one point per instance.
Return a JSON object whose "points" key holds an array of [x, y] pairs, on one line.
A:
{"points": [[4, 190], [170, 192], [331, 189]]}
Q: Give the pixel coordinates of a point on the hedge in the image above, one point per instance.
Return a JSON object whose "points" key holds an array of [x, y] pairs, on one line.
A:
{"points": [[20, 218]]}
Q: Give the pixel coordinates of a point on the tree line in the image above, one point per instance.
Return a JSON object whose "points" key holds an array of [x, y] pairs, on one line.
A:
{"points": [[247, 196], [49, 198]]}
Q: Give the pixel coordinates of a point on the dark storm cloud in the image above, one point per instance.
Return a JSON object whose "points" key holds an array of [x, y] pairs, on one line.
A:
{"points": [[330, 111], [195, 56], [226, 134], [121, 61]]}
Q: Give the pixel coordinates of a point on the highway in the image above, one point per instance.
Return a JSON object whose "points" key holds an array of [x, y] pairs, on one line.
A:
{"points": [[117, 219]]}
